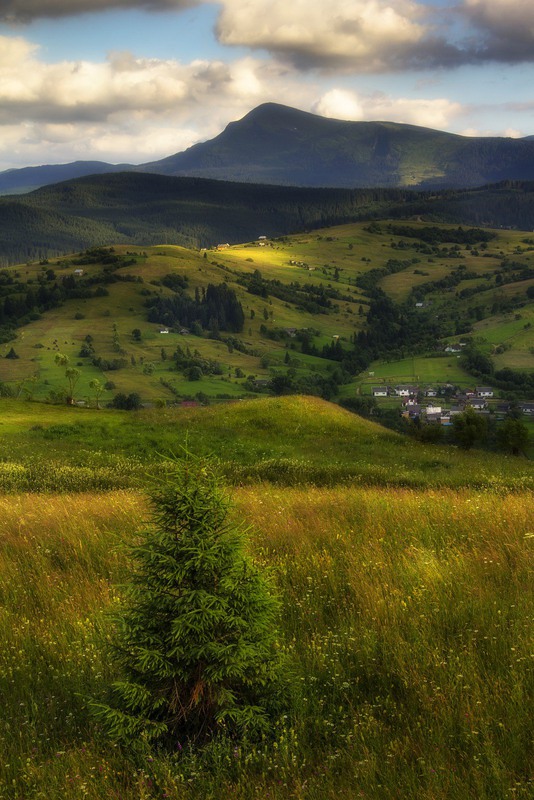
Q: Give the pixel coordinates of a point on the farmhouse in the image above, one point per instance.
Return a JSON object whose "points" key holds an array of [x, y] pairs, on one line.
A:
{"points": [[380, 391], [406, 391], [484, 391], [478, 404], [527, 408]]}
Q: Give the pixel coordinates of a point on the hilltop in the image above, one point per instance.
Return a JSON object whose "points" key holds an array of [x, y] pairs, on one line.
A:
{"points": [[281, 145]]}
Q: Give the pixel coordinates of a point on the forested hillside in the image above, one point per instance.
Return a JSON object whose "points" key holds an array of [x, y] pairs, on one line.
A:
{"points": [[152, 209]]}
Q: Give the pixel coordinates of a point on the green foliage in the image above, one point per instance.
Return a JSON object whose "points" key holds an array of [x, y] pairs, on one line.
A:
{"points": [[512, 437], [469, 429], [195, 638]]}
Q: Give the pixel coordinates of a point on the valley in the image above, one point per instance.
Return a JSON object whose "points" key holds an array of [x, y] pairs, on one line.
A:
{"points": [[402, 566]]}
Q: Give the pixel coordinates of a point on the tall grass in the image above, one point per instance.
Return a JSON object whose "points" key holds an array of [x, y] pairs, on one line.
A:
{"points": [[406, 624]]}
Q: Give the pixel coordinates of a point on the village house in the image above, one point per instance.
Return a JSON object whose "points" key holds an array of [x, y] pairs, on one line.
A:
{"points": [[406, 391], [380, 391], [526, 408], [484, 391], [412, 410], [477, 404]]}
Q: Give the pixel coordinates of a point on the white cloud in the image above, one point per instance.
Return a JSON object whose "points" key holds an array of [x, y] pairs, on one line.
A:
{"points": [[124, 108], [368, 35], [511, 133], [429, 113], [339, 104]]}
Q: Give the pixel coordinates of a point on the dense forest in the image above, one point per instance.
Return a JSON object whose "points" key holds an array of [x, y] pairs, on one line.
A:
{"points": [[153, 209]]}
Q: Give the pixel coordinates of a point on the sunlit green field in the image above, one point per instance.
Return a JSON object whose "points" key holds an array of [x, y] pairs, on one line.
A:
{"points": [[334, 258], [286, 440]]}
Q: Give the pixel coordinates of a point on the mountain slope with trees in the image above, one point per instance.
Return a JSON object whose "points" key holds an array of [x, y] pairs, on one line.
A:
{"points": [[148, 209]]}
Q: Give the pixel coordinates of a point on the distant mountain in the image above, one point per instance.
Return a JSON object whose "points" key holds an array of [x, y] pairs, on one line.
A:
{"points": [[144, 209], [18, 181], [275, 144]]}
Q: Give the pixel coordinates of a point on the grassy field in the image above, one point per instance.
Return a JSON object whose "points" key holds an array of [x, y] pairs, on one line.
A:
{"points": [[418, 370], [287, 440], [405, 622], [404, 573]]}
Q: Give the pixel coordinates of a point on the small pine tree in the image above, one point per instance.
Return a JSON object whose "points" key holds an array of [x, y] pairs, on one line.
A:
{"points": [[195, 638]]}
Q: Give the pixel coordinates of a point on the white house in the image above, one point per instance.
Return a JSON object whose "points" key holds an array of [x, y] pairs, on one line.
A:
{"points": [[484, 391], [380, 391], [406, 391]]}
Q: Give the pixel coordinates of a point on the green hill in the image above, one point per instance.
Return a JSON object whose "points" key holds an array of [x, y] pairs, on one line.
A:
{"points": [[311, 313]]}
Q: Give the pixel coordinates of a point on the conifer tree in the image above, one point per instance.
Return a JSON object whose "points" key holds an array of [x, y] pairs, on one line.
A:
{"points": [[195, 637]]}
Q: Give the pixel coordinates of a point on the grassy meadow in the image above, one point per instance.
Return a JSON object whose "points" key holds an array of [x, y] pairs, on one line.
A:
{"points": [[404, 570], [405, 579], [406, 622]]}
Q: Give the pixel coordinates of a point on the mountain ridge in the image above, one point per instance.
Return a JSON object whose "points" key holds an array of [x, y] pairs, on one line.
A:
{"points": [[279, 145]]}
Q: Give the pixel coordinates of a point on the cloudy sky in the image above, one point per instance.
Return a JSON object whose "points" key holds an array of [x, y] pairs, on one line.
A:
{"points": [[137, 80]]}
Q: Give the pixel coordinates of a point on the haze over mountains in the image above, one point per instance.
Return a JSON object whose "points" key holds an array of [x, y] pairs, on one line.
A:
{"points": [[275, 144]]}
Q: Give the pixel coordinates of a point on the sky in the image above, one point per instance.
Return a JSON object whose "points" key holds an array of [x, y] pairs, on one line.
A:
{"points": [[130, 81]]}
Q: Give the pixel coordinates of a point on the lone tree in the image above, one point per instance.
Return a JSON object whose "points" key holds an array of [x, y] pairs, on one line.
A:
{"points": [[71, 373], [195, 637]]}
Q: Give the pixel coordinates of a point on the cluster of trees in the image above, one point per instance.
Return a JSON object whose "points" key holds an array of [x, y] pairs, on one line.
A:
{"points": [[431, 234], [310, 298], [218, 309], [509, 380], [193, 366]]}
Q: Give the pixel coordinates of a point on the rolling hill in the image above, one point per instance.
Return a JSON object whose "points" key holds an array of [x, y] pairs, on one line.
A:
{"points": [[313, 312], [275, 144]]}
